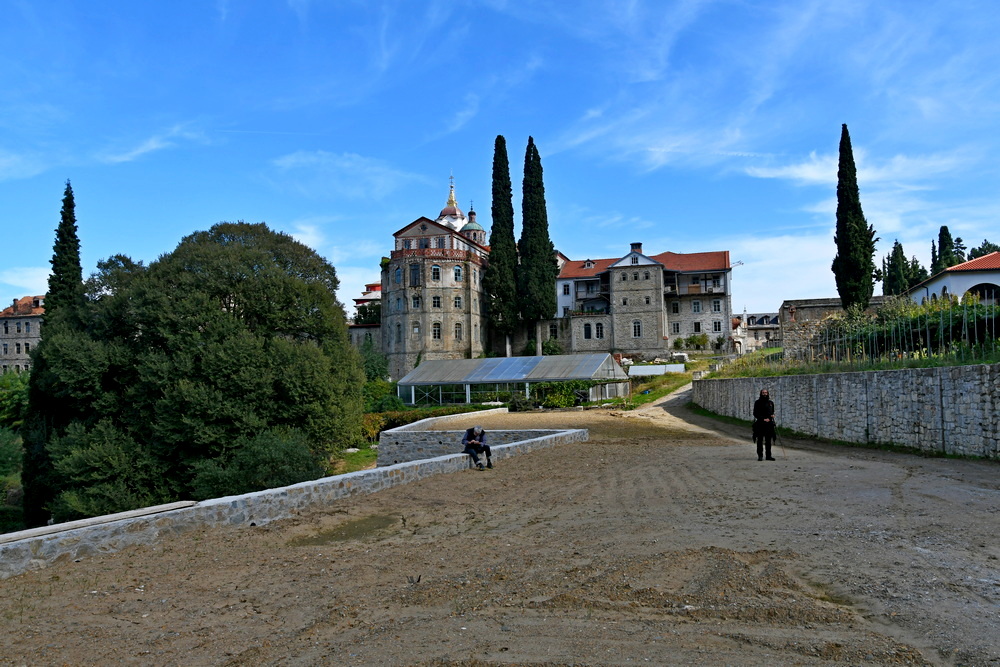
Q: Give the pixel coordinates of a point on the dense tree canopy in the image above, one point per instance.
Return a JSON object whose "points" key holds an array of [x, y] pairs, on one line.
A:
{"points": [[500, 276], [231, 345], [854, 264], [900, 274], [983, 248]]}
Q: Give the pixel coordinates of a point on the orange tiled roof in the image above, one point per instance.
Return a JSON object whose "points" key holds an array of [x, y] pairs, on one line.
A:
{"points": [[673, 261], [24, 306], [990, 262]]}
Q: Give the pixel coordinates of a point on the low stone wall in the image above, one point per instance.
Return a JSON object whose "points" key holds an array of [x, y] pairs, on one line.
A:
{"points": [[36, 548], [952, 410]]}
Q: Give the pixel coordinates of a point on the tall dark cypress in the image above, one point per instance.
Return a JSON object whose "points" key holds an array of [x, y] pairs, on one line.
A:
{"points": [[854, 264], [945, 249], [47, 415], [537, 272], [896, 271], [500, 276]]}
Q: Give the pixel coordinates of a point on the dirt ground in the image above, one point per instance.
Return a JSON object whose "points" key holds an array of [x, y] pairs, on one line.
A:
{"points": [[661, 541]]}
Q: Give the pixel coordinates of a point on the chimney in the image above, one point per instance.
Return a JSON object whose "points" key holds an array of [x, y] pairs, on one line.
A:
{"points": [[637, 247]]}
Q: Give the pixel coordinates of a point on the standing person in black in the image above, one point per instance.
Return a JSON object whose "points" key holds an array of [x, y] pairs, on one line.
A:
{"points": [[763, 425], [474, 441]]}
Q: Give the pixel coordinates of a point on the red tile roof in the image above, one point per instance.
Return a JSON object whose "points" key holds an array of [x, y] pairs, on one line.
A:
{"points": [[672, 261], [990, 262], [24, 306]]}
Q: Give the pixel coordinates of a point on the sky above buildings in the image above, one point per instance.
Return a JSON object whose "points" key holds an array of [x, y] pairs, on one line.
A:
{"points": [[686, 125]]}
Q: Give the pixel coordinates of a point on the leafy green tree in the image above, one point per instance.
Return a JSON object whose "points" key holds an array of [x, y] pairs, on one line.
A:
{"points": [[500, 275], [959, 252], [10, 455], [13, 399], [984, 248], [854, 264], [235, 335], [917, 273], [369, 313], [538, 269], [47, 415], [376, 365]]}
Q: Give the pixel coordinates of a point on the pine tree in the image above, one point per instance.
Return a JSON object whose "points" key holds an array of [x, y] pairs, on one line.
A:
{"points": [[895, 270], [48, 414], [917, 273], [854, 264], [985, 248], [538, 268], [959, 250], [500, 276]]}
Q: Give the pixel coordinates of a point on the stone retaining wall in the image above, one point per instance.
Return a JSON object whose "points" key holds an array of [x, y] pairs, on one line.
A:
{"points": [[38, 547], [952, 410]]}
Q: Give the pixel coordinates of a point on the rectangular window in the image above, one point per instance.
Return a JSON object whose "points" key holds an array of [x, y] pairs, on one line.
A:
{"points": [[586, 332], [17, 348], [675, 327], [636, 329], [435, 301], [716, 305], [624, 276], [717, 326], [458, 302], [414, 274], [407, 244], [565, 289], [18, 327], [416, 302], [5, 348], [27, 348], [647, 300], [424, 243], [675, 307], [624, 300], [635, 260], [436, 331], [27, 327], [553, 331], [697, 327], [696, 306], [599, 330], [694, 280], [716, 282]]}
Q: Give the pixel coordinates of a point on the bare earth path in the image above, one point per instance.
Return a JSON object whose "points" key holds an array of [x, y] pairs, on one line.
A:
{"points": [[660, 541]]}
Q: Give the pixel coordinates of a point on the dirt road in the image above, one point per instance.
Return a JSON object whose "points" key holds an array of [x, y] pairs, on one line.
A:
{"points": [[660, 541]]}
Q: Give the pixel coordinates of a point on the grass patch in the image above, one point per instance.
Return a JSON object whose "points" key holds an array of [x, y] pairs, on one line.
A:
{"points": [[652, 388], [363, 459]]}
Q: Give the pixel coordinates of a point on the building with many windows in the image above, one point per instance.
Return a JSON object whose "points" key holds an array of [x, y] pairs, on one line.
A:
{"points": [[432, 305], [640, 305], [20, 332]]}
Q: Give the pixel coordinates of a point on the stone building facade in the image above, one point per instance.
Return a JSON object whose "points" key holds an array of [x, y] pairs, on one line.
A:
{"points": [[639, 305], [20, 333], [432, 290]]}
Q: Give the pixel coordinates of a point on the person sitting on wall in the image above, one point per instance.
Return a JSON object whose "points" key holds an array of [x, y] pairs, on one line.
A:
{"points": [[474, 442], [763, 424]]}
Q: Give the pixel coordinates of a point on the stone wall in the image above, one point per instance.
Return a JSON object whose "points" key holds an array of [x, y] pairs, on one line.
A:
{"points": [[952, 410], [38, 547]]}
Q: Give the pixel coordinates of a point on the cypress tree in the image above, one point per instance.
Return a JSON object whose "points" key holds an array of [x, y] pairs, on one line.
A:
{"points": [[538, 269], [500, 276], [854, 265], [945, 249], [935, 259], [47, 414]]}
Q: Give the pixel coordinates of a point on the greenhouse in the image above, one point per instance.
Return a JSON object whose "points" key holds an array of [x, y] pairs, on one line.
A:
{"points": [[446, 381]]}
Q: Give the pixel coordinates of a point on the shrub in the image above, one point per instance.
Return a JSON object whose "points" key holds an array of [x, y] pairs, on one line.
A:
{"points": [[388, 403], [278, 457], [10, 452], [372, 423]]}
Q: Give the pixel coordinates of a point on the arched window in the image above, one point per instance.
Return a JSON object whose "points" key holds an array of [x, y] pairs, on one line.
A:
{"points": [[645, 275], [458, 331], [586, 331], [435, 272], [624, 275], [436, 331], [458, 274], [636, 329], [635, 275]]}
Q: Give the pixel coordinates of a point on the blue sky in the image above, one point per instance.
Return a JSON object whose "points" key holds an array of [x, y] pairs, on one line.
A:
{"points": [[687, 125]]}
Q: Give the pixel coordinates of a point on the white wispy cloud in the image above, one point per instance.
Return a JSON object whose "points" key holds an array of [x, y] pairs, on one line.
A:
{"points": [[323, 174], [31, 280], [14, 165], [160, 141]]}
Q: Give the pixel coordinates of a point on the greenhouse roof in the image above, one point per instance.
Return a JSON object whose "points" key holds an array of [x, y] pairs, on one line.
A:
{"points": [[516, 369]]}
